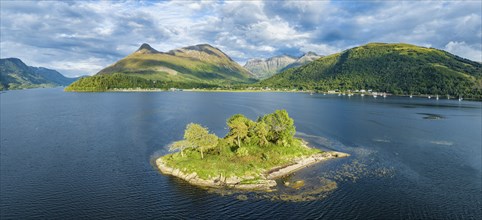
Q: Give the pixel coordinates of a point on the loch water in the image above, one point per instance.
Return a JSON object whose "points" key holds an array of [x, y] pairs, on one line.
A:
{"points": [[89, 155]]}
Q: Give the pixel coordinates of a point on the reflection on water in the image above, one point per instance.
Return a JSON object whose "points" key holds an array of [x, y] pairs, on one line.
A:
{"points": [[431, 116], [446, 143], [381, 140]]}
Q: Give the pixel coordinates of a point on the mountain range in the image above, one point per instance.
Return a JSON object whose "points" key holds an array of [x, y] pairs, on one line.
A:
{"points": [[265, 68], [15, 74], [396, 68]]}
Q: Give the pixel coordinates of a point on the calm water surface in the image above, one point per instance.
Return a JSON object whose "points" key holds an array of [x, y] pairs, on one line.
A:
{"points": [[88, 155]]}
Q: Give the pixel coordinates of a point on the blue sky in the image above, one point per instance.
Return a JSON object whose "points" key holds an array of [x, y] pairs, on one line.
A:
{"points": [[82, 37]]}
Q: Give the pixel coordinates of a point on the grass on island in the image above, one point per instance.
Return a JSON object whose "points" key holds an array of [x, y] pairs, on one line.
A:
{"points": [[249, 149]]}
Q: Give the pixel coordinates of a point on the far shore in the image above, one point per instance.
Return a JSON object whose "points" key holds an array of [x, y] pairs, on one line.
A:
{"points": [[378, 94]]}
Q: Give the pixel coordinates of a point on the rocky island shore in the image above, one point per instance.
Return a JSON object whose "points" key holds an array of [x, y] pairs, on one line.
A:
{"points": [[265, 180]]}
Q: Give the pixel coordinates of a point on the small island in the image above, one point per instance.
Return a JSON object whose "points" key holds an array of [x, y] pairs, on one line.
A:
{"points": [[251, 156]]}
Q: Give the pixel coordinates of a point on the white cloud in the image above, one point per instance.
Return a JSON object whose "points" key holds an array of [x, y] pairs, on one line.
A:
{"points": [[275, 30], [319, 48], [464, 50], [82, 37]]}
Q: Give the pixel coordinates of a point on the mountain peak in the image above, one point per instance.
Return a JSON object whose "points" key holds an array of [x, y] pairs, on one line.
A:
{"points": [[283, 56], [205, 45], [310, 53], [202, 48], [13, 61], [146, 49]]}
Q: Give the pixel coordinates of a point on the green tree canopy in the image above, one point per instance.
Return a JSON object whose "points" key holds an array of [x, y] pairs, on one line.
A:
{"points": [[181, 145], [281, 127], [261, 130], [200, 138], [238, 128]]}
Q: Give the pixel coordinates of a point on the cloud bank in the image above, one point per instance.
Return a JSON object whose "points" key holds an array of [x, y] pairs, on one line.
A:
{"points": [[82, 37]]}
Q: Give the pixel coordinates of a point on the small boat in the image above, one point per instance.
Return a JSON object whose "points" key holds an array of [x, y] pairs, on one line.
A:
{"points": [[339, 94], [362, 95], [429, 97], [411, 96], [436, 97], [374, 96], [448, 96], [460, 99], [384, 95]]}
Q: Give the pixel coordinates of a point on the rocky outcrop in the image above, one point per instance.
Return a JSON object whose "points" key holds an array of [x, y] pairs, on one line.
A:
{"points": [[305, 59], [265, 181], [242, 183], [303, 162], [264, 68]]}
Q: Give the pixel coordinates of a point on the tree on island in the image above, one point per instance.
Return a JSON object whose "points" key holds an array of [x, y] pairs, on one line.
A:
{"points": [[199, 138], [261, 130], [181, 145], [281, 127], [238, 128]]}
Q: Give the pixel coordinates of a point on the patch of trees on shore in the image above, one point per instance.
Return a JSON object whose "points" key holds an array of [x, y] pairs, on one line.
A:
{"points": [[106, 82]]}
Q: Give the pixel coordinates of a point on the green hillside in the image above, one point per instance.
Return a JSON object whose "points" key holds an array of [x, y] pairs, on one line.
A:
{"points": [[393, 68], [14, 74], [195, 66], [106, 82]]}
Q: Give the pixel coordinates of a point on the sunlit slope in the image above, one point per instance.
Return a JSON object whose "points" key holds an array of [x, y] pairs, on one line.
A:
{"points": [[395, 68], [201, 63]]}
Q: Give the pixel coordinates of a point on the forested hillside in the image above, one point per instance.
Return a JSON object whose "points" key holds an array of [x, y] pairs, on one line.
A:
{"points": [[393, 68]]}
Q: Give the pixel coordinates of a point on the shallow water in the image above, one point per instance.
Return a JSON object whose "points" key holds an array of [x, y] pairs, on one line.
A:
{"points": [[89, 155]]}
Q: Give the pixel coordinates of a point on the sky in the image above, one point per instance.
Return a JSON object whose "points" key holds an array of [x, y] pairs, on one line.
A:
{"points": [[82, 37]]}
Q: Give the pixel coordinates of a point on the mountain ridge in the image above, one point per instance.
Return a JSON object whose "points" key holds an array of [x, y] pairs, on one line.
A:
{"points": [[198, 65], [201, 62]]}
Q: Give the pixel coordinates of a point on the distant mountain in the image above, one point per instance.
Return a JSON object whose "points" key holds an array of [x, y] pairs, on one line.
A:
{"points": [[15, 74], [195, 66], [305, 59], [394, 68], [264, 68]]}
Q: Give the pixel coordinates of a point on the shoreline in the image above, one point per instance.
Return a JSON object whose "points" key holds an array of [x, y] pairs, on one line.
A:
{"points": [[266, 180], [270, 91]]}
